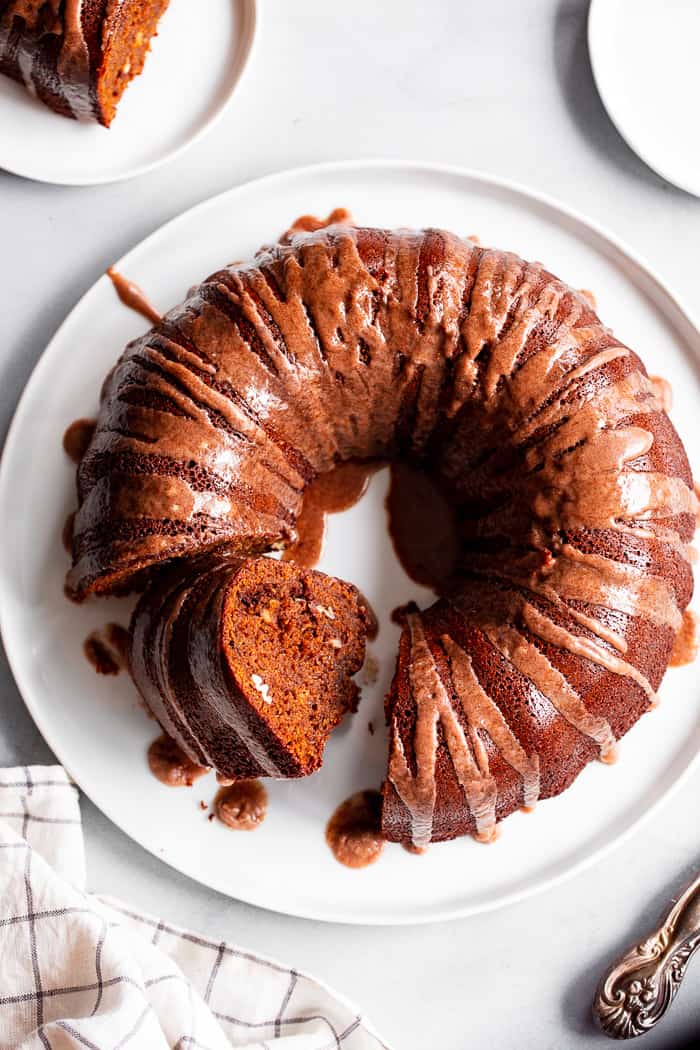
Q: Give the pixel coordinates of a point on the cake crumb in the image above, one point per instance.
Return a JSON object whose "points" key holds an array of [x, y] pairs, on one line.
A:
{"points": [[202, 804], [269, 613], [370, 670], [262, 687], [210, 817], [370, 726]]}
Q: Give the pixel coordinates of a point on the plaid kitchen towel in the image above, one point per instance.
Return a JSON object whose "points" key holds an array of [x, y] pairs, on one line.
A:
{"points": [[80, 971]]}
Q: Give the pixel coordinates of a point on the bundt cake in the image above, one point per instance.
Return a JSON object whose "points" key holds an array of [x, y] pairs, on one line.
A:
{"points": [[571, 490], [247, 664], [77, 56]]}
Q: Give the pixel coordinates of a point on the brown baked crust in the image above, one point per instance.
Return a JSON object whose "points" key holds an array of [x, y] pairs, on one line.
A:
{"points": [[248, 664], [571, 486], [77, 58]]}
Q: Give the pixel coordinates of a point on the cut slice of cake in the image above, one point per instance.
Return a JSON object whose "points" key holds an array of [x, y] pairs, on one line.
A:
{"points": [[78, 58], [248, 665]]}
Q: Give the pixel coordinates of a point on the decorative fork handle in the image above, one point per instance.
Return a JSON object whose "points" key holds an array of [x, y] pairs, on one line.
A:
{"points": [[638, 990]]}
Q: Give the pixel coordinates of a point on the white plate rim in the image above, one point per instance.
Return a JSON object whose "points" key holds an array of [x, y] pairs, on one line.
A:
{"points": [[325, 914], [596, 20], [253, 13]]}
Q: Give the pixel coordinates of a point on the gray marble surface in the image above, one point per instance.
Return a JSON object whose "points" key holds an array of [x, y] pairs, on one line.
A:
{"points": [[505, 87]]}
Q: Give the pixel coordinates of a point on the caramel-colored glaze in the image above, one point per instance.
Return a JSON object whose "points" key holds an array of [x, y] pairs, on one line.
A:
{"points": [[118, 638], [133, 296], [336, 490], [242, 805], [422, 526], [99, 655], [487, 837], [311, 223], [419, 791], [687, 644], [77, 438], [107, 649], [417, 851], [663, 390], [170, 765], [354, 831]]}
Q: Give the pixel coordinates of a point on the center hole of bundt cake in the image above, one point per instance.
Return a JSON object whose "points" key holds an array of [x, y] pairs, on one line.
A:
{"points": [[421, 520]]}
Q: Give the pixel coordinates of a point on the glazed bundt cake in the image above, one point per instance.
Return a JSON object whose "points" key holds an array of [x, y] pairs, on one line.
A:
{"points": [[77, 56], [247, 664], [571, 489]]}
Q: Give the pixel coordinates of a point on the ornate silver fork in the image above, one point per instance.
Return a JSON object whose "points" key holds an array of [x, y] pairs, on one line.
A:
{"points": [[637, 991]]}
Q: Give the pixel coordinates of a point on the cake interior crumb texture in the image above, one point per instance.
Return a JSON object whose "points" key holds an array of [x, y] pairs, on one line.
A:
{"points": [[291, 658], [125, 50]]}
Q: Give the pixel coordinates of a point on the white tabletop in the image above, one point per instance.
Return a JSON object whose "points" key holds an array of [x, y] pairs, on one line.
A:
{"points": [[505, 87]]}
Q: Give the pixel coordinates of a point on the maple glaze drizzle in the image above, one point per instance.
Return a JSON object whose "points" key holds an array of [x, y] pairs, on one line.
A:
{"points": [[311, 223], [329, 493], [171, 765], [241, 805], [687, 644], [106, 650], [354, 833], [133, 296]]}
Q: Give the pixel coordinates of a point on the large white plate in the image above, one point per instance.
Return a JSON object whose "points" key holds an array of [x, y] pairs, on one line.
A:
{"points": [[644, 57], [190, 75], [95, 725]]}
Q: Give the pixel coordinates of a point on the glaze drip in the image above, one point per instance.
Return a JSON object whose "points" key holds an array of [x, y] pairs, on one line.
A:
{"points": [[354, 833], [687, 643], [132, 296]]}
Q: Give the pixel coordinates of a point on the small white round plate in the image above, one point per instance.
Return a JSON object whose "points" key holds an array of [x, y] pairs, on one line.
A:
{"points": [[644, 56], [95, 725], [195, 63]]}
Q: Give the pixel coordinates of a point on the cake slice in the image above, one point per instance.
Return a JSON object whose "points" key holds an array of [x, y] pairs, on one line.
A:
{"points": [[248, 664], [78, 58]]}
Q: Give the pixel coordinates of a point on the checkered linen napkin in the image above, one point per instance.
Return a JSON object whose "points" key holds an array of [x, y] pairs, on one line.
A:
{"points": [[80, 971]]}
